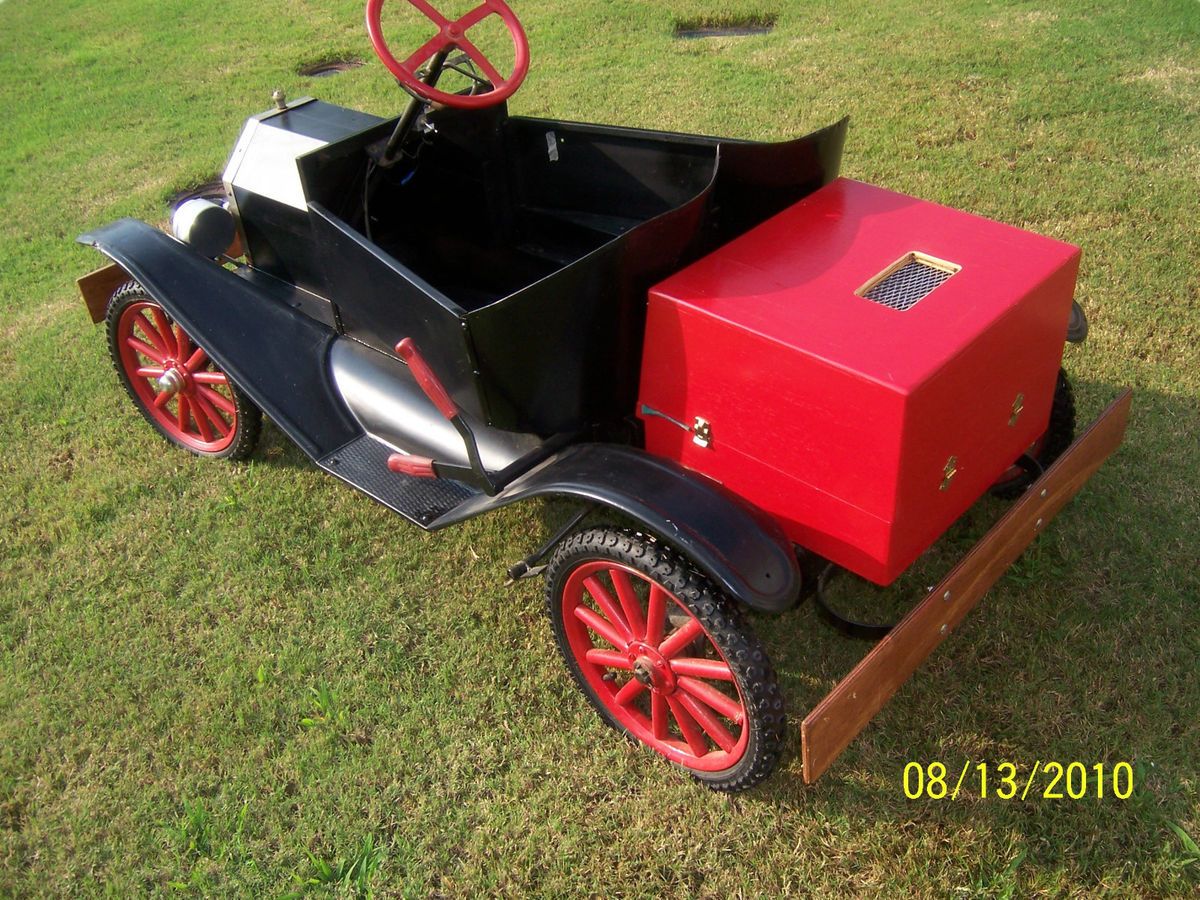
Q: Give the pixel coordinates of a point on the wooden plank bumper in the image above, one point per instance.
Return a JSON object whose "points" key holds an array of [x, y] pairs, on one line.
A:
{"points": [[854, 701], [97, 287]]}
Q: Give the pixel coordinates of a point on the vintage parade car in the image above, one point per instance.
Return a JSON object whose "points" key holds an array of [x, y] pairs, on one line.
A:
{"points": [[745, 372]]}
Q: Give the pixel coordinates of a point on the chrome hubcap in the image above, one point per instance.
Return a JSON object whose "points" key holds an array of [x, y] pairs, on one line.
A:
{"points": [[171, 382]]}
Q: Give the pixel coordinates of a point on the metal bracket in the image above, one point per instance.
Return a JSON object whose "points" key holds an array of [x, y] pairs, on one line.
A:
{"points": [[1017, 406], [949, 472]]}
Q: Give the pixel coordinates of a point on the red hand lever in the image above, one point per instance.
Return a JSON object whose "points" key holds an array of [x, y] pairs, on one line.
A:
{"points": [[429, 382], [418, 466]]}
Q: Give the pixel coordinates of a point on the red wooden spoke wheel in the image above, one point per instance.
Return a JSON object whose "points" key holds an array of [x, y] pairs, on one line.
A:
{"points": [[451, 34], [665, 657], [174, 384]]}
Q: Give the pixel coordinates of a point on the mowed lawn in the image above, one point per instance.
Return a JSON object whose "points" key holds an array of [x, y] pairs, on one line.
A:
{"points": [[249, 680]]}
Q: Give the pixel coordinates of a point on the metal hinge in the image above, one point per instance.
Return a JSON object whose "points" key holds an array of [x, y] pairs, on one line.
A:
{"points": [[700, 429], [949, 472]]}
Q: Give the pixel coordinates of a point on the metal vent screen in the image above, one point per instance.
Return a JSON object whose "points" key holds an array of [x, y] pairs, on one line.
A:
{"points": [[910, 279]]}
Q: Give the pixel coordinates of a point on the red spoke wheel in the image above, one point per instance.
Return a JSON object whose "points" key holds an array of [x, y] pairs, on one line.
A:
{"points": [[173, 383], [1059, 434], [665, 657]]}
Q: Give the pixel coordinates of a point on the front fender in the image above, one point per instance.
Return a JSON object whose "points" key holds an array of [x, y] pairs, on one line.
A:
{"points": [[732, 542], [275, 354]]}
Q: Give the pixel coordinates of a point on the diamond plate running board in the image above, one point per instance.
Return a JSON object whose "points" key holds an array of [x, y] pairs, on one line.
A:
{"points": [[362, 463]]}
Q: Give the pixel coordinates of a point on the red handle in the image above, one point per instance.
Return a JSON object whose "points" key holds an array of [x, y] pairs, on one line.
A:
{"points": [[429, 383], [418, 466]]}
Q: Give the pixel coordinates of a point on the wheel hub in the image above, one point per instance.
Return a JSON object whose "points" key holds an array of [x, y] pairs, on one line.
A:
{"points": [[172, 381], [652, 670]]}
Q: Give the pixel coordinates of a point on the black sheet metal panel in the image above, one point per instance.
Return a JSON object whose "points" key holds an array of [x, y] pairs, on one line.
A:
{"points": [[269, 196], [732, 542], [517, 254], [566, 350], [380, 302], [757, 180], [276, 354], [605, 171]]}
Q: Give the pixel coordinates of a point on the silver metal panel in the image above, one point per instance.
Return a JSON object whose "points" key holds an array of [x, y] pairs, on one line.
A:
{"points": [[264, 162], [390, 406]]}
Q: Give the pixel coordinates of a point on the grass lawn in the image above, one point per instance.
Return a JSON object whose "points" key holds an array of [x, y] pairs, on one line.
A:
{"points": [[237, 679]]}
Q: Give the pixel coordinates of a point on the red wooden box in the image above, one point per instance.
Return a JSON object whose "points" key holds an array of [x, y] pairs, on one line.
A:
{"points": [[865, 428]]}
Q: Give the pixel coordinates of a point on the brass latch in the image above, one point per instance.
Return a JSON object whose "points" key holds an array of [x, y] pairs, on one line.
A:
{"points": [[700, 428], [1018, 405], [949, 472]]}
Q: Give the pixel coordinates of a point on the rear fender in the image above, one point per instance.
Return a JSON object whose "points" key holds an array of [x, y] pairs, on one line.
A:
{"points": [[732, 542]]}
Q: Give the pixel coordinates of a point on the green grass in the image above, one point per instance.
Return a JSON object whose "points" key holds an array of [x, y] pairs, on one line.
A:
{"points": [[248, 680]]}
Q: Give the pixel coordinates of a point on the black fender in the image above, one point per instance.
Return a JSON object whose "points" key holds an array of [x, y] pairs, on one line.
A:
{"points": [[274, 353], [731, 541]]}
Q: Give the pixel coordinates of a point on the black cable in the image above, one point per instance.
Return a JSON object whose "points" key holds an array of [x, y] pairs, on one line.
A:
{"points": [[852, 627]]}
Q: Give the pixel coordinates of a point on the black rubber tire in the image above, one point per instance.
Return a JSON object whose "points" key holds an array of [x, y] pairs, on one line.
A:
{"points": [[249, 417], [754, 676], [1060, 432]]}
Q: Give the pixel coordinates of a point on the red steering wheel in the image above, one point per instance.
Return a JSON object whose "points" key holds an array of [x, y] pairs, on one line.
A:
{"points": [[454, 34]]}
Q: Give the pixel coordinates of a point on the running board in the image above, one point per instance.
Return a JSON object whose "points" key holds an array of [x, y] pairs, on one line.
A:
{"points": [[362, 463]]}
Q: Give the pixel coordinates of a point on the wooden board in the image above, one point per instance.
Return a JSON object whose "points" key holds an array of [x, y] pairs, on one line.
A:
{"points": [[855, 700], [98, 286]]}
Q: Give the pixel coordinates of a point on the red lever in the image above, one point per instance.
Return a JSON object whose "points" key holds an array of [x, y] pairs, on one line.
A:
{"points": [[429, 382], [418, 466]]}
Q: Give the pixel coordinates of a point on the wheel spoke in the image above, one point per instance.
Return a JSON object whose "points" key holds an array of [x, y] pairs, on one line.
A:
{"points": [[474, 17], [164, 329], [630, 604], [216, 398], [658, 716], [701, 668], [629, 692], [210, 378], [710, 723], [145, 349], [150, 372], [182, 342], [152, 335], [196, 360], [602, 627], [687, 727], [201, 421], [199, 402], [480, 60], [426, 7], [605, 601], [608, 658], [181, 414], [707, 694], [681, 638], [656, 615], [162, 399], [428, 49]]}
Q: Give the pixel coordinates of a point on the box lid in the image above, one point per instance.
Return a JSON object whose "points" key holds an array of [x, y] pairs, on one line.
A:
{"points": [[798, 279]]}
